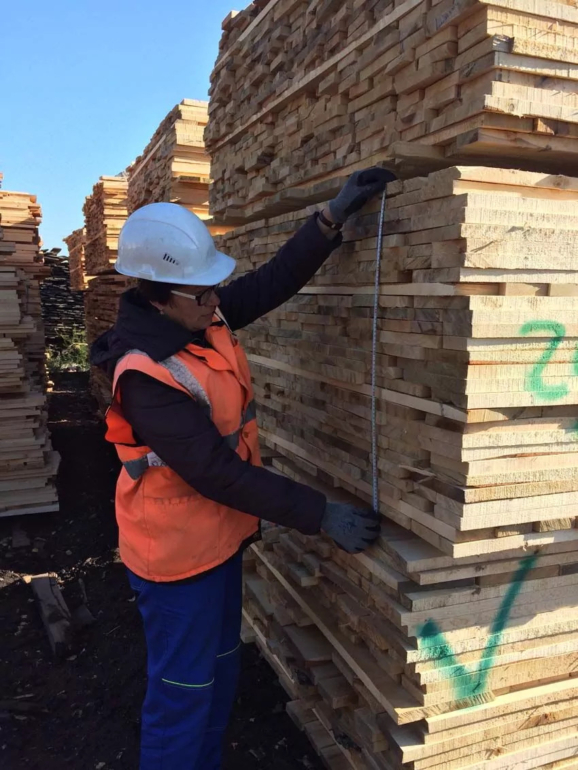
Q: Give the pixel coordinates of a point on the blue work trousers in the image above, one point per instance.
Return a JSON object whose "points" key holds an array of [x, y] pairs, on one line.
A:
{"points": [[193, 643]]}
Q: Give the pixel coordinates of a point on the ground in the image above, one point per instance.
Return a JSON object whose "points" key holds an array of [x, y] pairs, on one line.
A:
{"points": [[86, 708]]}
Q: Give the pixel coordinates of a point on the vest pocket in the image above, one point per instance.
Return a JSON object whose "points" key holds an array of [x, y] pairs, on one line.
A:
{"points": [[184, 534]]}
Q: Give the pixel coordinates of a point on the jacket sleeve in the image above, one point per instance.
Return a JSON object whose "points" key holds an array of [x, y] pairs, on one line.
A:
{"points": [[257, 293], [172, 424]]}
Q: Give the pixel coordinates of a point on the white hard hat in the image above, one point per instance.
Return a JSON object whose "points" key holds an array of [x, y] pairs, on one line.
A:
{"points": [[168, 243]]}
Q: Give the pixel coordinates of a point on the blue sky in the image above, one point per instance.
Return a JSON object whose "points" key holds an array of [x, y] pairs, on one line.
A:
{"points": [[83, 86]]}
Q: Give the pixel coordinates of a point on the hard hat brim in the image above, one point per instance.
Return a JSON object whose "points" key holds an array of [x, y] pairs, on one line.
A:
{"points": [[222, 267]]}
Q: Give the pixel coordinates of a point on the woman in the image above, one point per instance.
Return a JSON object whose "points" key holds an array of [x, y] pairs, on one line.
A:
{"points": [[191, 491]]}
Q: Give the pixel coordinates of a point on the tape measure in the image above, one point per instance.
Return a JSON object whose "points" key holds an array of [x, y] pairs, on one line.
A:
{"points": [[374, 446]]}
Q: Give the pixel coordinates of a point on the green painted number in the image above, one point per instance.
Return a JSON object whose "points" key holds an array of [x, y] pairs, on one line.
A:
{"points": [[535, 383]]}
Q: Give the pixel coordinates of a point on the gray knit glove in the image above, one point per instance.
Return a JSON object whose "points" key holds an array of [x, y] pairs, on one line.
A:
{"points": [[353, 529], [360, 188]]}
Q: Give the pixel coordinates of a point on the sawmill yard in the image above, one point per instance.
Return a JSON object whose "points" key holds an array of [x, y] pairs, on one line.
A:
{"points": [[429, 368]]}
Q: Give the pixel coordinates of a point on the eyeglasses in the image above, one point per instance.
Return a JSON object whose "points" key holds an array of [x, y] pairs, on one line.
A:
{"points": [[202, 297]]}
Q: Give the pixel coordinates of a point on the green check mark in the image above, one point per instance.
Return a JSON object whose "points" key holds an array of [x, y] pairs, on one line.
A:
{"points": [[472, 682]]}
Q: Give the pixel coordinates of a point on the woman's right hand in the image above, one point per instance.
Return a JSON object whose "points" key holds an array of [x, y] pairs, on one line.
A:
{"points": [[353, 529]]}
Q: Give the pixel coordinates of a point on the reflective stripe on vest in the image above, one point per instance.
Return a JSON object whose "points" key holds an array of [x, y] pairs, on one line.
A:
{"points": [[183, 376], [136, 468], [250, 414], [188, 380]]}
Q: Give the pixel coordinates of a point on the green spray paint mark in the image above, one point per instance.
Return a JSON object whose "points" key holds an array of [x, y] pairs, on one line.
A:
{"points": [[572, 431], [472, 681], [535, 383]]}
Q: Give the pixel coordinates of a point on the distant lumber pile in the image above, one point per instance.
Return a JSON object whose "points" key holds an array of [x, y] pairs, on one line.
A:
{"points": [[173, 168], [452, 643], [62, 308], [27, 463], [105, 212], [76, 259]]}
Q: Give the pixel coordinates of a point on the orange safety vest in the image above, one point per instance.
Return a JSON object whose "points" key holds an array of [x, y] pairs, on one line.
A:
{"points": [[167, 530]]}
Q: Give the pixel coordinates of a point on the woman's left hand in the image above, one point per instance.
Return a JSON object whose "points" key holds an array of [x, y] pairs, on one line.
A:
{"points": [[359, 189]]}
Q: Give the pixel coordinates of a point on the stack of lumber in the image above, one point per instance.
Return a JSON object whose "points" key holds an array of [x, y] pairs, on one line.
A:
{"points": [[105, 212], [76, 259], [27, 462], [304, 90], [174, 166], [100, 310], [452, 643], [62, 308], [20, 217]]}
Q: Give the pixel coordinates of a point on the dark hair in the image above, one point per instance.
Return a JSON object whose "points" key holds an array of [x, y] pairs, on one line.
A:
{"points": [[154, 291]]}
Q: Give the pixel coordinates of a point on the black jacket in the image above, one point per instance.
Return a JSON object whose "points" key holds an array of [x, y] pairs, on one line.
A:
{"points": [[175, 427]]}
